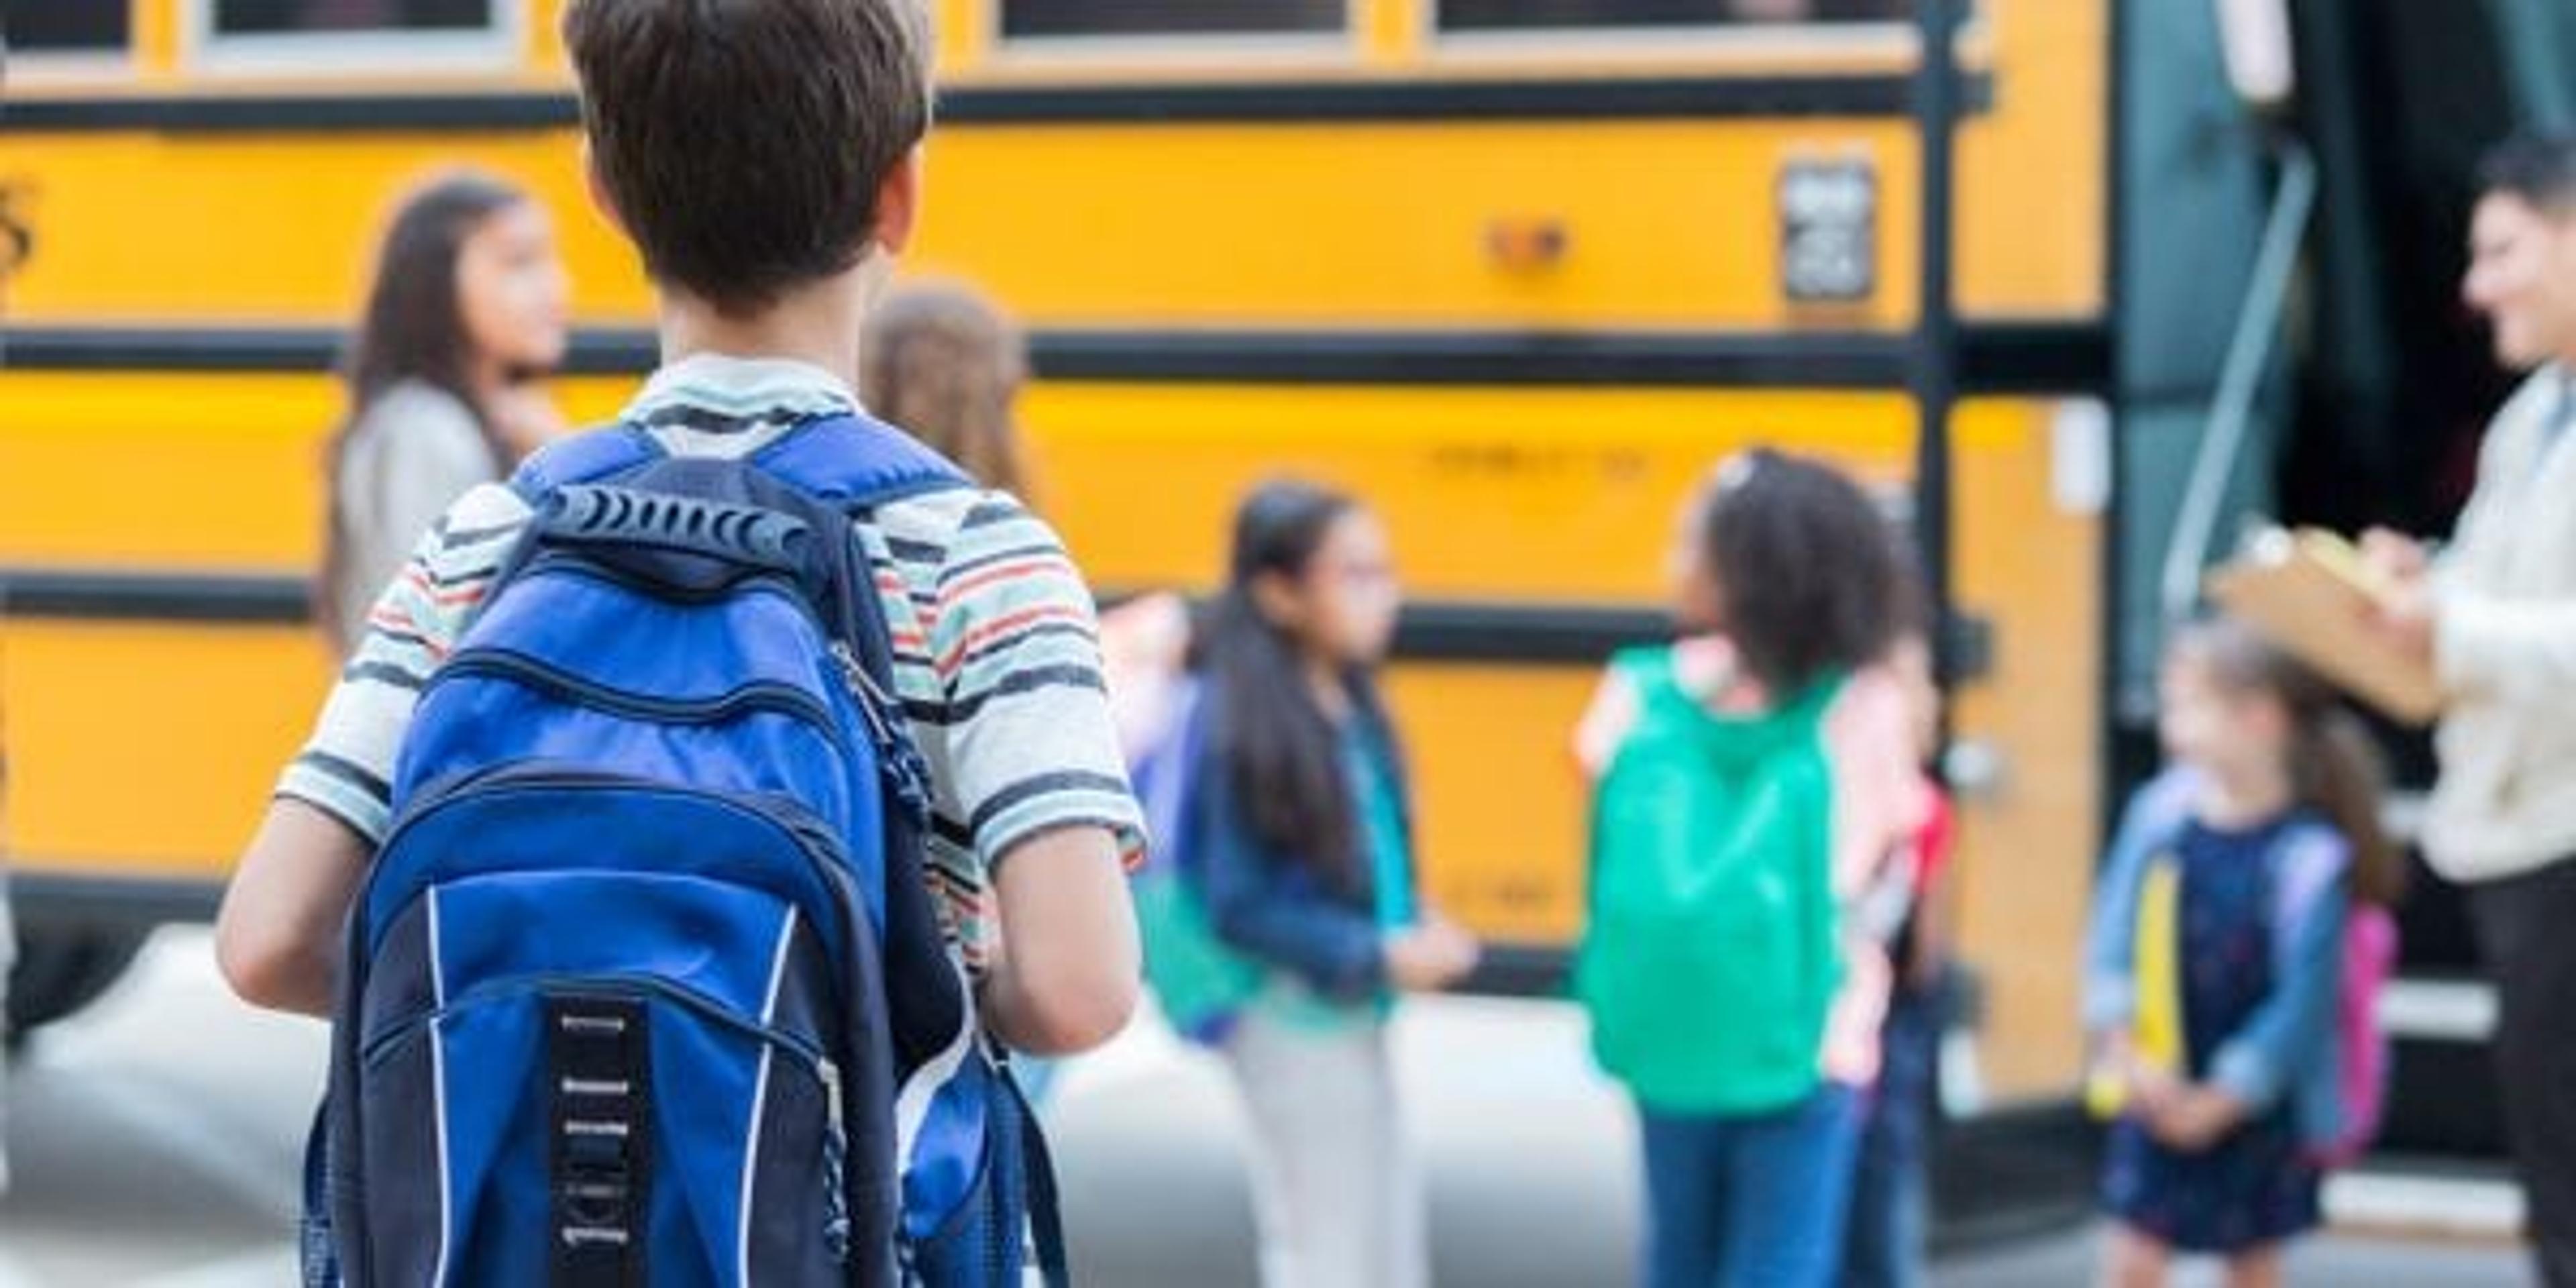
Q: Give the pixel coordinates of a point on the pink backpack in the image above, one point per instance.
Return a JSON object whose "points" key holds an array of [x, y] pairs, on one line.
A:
{"points": [[2361, 1048]]}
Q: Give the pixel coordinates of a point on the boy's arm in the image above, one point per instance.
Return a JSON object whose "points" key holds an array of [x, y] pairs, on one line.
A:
{"points": [[277, 935], [1033, 770], [1065, 974]]}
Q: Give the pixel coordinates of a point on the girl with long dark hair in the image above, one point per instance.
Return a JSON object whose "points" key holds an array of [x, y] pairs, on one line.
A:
{"points": [[465, 314], [1300, 828]]}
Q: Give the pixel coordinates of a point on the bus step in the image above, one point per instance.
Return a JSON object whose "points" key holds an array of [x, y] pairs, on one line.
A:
{"points": [[2438, 1009], [2426, 1198]]}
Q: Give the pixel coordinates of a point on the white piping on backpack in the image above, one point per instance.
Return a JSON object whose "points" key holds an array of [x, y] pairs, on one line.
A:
{"points": [[438, 1096], [760, 1098], [912, 1103]]}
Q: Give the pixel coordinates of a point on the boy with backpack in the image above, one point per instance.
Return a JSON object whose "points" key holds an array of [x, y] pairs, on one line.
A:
{"points": [[698, 804]]}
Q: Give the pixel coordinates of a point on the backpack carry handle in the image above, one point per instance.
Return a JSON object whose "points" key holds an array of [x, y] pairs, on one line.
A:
{"points": [[748, 534], [692, 529]]}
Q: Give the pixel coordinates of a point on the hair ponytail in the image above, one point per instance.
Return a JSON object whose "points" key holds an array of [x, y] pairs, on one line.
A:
{"points": [[2339, 775]]}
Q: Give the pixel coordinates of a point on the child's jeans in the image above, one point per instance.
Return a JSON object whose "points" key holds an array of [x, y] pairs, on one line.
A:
{"points": [[1889, 1211], [1749, 1200]]}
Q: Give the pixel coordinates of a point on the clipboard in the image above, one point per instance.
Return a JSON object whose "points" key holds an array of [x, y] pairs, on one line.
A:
{"points": [[2311, 596]]}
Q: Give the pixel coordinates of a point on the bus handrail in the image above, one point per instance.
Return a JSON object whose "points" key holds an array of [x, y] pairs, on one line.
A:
{"points": [[2249, 353]]}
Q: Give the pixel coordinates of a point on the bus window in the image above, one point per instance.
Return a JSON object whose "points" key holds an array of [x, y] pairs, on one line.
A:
{"points": [[1559, 15], [303, 37], [70, 29], [297, 17], [1044, 19]]}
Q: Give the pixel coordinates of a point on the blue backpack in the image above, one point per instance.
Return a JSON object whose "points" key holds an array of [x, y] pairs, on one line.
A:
{"points": [[645, 989]]}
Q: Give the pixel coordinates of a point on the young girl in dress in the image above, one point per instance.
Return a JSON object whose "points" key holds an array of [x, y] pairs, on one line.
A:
{"points": [[2217, 958]]}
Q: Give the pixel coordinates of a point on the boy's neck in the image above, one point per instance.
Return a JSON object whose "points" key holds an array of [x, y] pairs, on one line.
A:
{"points": [[818, 324]]}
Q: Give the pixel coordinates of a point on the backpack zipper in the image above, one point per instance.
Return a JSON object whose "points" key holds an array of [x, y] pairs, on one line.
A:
{"points": [[758, 696], [642, 987], [815, 839]]}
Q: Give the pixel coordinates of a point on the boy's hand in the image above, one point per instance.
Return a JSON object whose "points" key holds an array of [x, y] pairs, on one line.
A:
{"points": [[2194, 1117], [1431, 956]]}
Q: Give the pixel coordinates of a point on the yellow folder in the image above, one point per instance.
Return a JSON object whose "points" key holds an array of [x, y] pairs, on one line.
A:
{"points": [[2156, 1030]]}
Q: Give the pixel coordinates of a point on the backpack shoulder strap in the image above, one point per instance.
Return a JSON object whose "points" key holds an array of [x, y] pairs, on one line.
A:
{"points": [[858, 463], [1647, 667], [584, 458], [2308, 856]]}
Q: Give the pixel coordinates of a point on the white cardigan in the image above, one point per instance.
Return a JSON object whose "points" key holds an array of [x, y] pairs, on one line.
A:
{"points": [[2505, 639]]}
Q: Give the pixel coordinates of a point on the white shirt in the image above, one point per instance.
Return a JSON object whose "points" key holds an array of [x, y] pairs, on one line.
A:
{"points": [[2505, 641]]}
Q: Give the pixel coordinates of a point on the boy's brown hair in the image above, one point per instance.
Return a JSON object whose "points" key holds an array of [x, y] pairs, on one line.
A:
{"points": [[743, 142]]}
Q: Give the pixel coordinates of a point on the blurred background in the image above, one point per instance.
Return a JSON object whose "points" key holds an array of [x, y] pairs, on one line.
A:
{"points": [[2079, 297]]}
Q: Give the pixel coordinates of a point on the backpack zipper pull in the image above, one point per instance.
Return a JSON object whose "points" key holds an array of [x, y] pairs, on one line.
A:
{"points": [[872, 700], [906, 772]]}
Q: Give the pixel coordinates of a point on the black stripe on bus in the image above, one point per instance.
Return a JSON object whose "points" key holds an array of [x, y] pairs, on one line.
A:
{"points": [[1431, 631], [1437, 631], [1521, 970], [1263, 102], [53, 900], [1995, 358], [603, 352], [155, 596]]}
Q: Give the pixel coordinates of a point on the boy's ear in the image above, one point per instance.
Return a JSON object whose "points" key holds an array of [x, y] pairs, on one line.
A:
{"points": [[899, 203], [599, 198]]}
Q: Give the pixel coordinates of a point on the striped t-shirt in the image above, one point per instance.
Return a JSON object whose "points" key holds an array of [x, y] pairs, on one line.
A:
{"points": [[996, 651]]}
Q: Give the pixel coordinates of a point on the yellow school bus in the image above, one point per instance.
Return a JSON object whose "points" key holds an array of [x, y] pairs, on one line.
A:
{"points": [[1518, 270]]}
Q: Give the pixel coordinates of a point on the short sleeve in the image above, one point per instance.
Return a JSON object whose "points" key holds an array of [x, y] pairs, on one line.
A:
{"points": [[1015, 641], [346, 769]]}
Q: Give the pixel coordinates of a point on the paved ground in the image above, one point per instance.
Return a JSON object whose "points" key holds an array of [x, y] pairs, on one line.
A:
{"points": [[156, 1140]]}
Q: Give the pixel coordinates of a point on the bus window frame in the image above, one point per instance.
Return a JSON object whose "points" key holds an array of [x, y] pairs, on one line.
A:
{"points": [[1177, 50], [71, 68], [498, 47], [1755, 46], [46, 68]]}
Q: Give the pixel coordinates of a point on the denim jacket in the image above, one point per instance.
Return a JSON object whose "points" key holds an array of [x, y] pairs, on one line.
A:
{"points": [[2288, 1049], [1269, 903]]}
